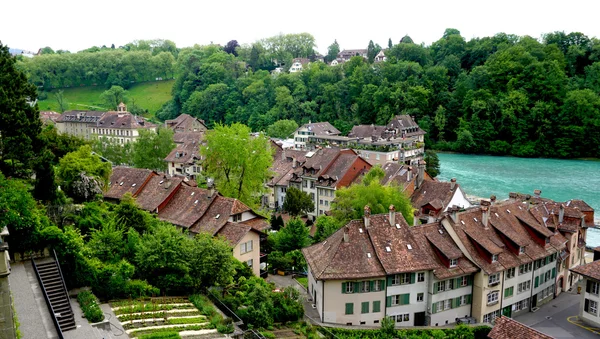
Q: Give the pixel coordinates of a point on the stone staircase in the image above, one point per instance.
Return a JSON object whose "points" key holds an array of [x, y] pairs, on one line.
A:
{"points": [[52, 281]]}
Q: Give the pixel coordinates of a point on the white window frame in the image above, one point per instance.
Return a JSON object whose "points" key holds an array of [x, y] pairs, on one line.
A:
{"points": [[493, 297], [250, 262], [510, 273], [246, 247], [420, 297], [594, 288], [453, 262], [376, 285], [349, 287], [421, 277], [494, 279], [593, 306], [441, 286], [464, 281], [365, 286]]}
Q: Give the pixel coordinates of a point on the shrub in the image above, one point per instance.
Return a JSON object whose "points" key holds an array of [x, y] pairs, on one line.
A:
{"points": [[89, 306], [164, 335]]}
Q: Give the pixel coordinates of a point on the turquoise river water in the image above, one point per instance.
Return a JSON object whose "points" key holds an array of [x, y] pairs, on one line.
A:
{"points": [[560, 180]]}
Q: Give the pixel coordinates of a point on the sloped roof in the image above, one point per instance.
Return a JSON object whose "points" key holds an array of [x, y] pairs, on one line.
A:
{"points": [[366, 131], [234, 232], [184, 123], [48, 116], [187, 206], [217, 213], [79, 116], [507, 328], [322, 128], [156, 191], [580, 204], [436, 193], [435, 241], [591, 270], [407, 124], [127, 179], [187, 149], [123, 120]]}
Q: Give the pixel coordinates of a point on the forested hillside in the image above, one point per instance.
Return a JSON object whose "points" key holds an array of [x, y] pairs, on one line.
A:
{"points": [[504, 94]]}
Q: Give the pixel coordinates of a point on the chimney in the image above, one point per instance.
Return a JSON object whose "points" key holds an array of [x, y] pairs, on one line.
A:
{"points": [[421, 173], [392, 215], [452, 184], [294, 163], [431, 217], [346, 228], [537, 193], [283, 154], [561, 213], [583, 221], [367, 216], [485, 213], [512, 196], [415, 218], [492, 200], [409, 173], [454, 213]]}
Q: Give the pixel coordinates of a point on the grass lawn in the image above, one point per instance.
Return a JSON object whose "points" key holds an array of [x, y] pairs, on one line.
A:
{"points": [[303, 281], [148, 95]]}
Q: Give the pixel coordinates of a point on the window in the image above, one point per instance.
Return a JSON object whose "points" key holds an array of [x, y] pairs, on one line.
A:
{"points": [[349, 308], [547, 276], [524, 286], [521, 305], [447, 304], [462, 300], [420, 276], [492, 297], [419, 297], [453, 262], [364, 286], [320, 201], [364, 307], [592, 287], [249, 262], [508, 292], [525, 268], [376, 306], [349, 287], [491, 317], [312, 196], [304, 184], [510, 273], [312, 184], [441, 286], [377, 286], [464, 281], [521, 250], [494, 279], [246, 247], [326, 203], [401, 317], [591, 306], [494, 258], [400, 299], [237, 217], [401, 279]]}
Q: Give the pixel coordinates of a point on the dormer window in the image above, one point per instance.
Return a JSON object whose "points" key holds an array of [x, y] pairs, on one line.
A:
{"points": [[494, 257], [237, 217], [521, 250], [453, 262]]}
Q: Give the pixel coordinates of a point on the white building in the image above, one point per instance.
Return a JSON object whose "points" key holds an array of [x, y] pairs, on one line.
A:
{"points": [[590, 296]]}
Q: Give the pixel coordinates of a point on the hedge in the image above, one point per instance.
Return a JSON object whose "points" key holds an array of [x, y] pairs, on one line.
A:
{"points": [[164, 335], [460, 331], [89, 306]]}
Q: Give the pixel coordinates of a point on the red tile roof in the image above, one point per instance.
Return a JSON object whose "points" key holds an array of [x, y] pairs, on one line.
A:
{"points": [[187, 206], [126, 179], [234, 232], [591, 270], [156, 191], [123, 120], [507, 328]]}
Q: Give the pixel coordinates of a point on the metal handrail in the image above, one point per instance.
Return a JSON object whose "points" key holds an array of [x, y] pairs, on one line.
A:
{"points": [[62, 279], [50, 308]]}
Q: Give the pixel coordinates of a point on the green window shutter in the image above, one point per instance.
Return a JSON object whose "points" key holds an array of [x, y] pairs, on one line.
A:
{"points": [[389, 281], [435, 287], [412, 278], [376, 306], [364, 307], [457, 282], [468, 298], [453, 303], [469, 280], [382, 284], [406, 299], [349, 308], [388, 302], [356, 287], [343, 287], [537, 282], [371, 285], [434, 308], [553, 272], [506, 292]]}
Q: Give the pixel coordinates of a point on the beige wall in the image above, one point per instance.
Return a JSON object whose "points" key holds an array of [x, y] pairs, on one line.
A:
{"points": [[481, 289], [335, 304], [253, 255]]}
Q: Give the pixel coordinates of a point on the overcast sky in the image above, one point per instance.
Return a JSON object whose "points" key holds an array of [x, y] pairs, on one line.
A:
{"points": [[75, 25]]}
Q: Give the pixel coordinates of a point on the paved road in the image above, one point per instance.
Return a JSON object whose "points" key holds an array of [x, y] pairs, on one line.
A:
{"points": [[551, 319]]}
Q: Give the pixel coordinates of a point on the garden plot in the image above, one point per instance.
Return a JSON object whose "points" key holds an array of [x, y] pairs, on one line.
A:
{"points": [[165, 315]]}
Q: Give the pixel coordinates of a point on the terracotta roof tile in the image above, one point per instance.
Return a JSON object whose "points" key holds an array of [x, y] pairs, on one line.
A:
{"points": [[126, 179], [234, 232], [438, 194], [507, 328], [156, 191], [322, 128], [184, 123], [187, 206], [591, 270], [123, 120], [259, 223]]}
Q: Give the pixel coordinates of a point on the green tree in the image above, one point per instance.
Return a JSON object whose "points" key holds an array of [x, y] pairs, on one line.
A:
{"points": [[390, 44], [114, 96], [433, 163], [372, 51], [326, 226], [350, 201], [63, 105], [332, 51], [237, 161], [113, 151], [151, 148], [20, 123], [293, 236], [82, 174], [297, 202], [127, 214]]}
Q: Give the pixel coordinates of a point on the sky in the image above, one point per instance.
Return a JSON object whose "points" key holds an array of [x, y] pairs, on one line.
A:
{"points": [[76, 25]]}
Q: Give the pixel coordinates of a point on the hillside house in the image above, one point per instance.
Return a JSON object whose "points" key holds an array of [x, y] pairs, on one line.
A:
{"points": [[185, 158], [347, 54], [186, 123]]}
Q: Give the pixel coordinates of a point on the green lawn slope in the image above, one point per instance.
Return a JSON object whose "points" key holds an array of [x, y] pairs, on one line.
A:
{"points": [[148, 95]]}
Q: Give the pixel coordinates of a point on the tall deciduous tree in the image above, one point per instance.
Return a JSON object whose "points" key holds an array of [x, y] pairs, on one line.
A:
{"points": [[63, 105], [297, 202], [350, 202], [151, 148], [326, 226], [294, 236], [82, 173], [332, 51], [114, 96], [238, 161], [20, 123], [231, 46], [282, 129]]}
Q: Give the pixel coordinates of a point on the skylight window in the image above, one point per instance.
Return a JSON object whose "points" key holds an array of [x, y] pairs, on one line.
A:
{"points": [[217, 216], [133, 185], [360, 230], [388, 249], [475, 219], [398, 226], [441, 232], [368, 255], [195, 202], [193, 193], [409, 246], [121, 184], [507, 210], [462, 222], [160, 183], [497, 216]]}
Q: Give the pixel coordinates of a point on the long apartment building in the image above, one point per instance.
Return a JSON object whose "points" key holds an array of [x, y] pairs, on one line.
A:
{"points": [[514, 256], [120, 125], [194, 209], [401, 140], [380, 267]]}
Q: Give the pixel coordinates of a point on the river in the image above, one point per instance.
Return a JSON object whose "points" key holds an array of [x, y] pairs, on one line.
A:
{"points": [[560, 180]]}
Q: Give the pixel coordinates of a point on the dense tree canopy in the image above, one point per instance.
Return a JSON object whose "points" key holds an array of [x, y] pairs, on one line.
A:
{"points": [[151, 148], [237, 161], [297, 202], [83, 174]]}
